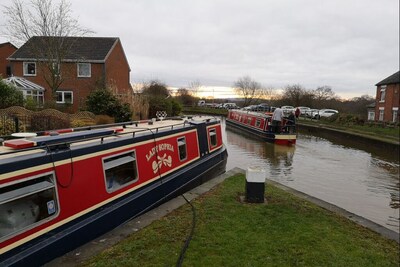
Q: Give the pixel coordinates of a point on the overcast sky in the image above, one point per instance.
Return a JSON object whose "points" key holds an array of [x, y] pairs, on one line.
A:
{"points": [[349, 45]]}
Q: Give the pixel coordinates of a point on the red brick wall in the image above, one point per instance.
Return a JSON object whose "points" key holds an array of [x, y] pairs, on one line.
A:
{"points": [[117, 70], [391, 100], [6, 50], [80, 86]]}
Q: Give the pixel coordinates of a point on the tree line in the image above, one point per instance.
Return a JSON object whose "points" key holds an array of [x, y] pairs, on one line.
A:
{"points": [[252, 92]]}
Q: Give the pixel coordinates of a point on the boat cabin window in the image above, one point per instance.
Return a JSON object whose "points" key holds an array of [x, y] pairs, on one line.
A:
{"points": [[120, 170], [27, 204], [213, 137], [258, 122], [182, 148]]}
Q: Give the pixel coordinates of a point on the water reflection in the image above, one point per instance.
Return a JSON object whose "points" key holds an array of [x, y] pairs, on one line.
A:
{"points": [[278, 158], [365, 182]]}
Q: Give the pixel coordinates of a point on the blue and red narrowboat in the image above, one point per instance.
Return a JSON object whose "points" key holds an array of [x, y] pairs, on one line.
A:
{"points": [[63, 188], [260, 125]]}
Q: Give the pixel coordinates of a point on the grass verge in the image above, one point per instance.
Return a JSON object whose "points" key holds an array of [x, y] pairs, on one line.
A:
{"points": [[288, 231], [377, 132]]}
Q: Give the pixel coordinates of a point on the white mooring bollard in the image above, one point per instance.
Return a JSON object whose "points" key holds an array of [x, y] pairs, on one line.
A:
{"points": [[255, 184]]}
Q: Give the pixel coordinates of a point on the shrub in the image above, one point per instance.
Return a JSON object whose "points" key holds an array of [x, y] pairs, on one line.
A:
{"points": [[122, 113], [176, 108], [41, 122], [346, 119], [159, 104], [10, 96], [30, 104], [103, 102], [7, 125], [104, 119], [81, 123]]}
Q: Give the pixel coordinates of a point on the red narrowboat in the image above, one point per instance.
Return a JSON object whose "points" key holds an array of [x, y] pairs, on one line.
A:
{"points": [[61, 189], [260, 125]]}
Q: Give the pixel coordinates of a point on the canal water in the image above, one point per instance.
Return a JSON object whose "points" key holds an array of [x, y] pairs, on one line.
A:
{"points": [[361, 180]]}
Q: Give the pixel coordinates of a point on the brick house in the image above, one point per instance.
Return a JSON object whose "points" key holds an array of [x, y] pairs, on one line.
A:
{"points": [[90, 63], [6, 49], [387, 99]]}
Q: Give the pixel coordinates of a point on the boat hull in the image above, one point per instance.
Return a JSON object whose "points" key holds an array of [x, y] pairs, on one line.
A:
{"points": [[67, 189], [80, 231], [279, 139]]}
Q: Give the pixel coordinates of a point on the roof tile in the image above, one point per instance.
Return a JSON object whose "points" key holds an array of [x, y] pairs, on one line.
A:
{"points": [[394, 78], [82, 48]]}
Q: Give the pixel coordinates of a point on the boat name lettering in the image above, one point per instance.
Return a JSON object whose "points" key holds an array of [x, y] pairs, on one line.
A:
{"points": [[159, 148]]}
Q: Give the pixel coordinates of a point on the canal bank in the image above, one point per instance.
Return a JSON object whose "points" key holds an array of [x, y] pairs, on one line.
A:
{"points": [[359, 138], [87, 251]]}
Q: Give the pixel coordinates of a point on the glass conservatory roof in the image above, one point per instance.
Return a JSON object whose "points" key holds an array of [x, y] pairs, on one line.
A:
{"points": [[23, 84]]}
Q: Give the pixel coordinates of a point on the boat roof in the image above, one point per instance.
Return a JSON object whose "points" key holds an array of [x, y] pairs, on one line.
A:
{"points": [[252, 113], [31, 143]]}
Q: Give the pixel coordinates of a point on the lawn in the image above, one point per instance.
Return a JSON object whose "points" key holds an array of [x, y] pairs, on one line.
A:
{"points": [[287, 231], [376, 131]]}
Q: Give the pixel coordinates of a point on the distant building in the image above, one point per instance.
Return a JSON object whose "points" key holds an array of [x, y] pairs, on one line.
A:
{"points": [[6, 50], [371, 111], [387, 99], [91, 63]]}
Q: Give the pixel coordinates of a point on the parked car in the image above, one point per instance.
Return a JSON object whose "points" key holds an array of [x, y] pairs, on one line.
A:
{"points": [[287, 109], [250, 108], [326, 113], [312, 112], [229, 106], [263, 107], [303, 110], [212, 105]]}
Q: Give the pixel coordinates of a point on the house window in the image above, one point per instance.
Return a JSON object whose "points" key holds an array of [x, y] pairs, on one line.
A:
{"points": [[381, 114], [8, 71], [36, 96], [182, 148], [371, 115], [65, 97], [84, 70], [29, 68], [213, 137], [383, 93], [395, 114], [27, 204], [120, 170]]}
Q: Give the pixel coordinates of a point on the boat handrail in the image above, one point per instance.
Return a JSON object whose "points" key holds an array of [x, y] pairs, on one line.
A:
{"points": [[254, 113], [115, 132]]}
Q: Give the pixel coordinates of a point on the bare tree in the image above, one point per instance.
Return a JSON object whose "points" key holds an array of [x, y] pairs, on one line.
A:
{"points": [[194, 87], [44, 18], [323, 93], [185, 97], [250, 90], [293, 95]]}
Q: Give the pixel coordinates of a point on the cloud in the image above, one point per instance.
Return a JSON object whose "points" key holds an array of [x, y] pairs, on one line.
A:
{"points": [[348, 45]]}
